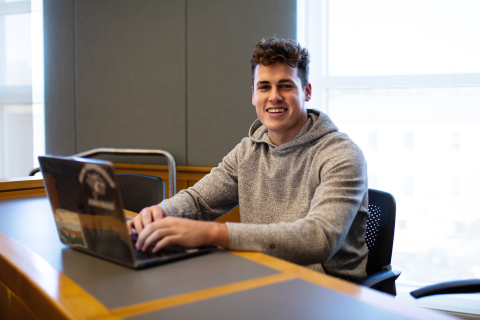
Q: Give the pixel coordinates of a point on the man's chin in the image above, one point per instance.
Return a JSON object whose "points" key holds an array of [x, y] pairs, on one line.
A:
{"points": [[274, 127]]}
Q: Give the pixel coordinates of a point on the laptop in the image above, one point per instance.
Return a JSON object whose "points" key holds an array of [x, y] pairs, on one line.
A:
{"points": [[88, 212]]}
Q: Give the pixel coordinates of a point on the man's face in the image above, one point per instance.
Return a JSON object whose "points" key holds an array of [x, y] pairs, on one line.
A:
{"points": [[279, 100]]}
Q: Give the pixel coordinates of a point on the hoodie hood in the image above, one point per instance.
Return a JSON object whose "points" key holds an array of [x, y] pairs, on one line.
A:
{"points": [[317, 125]]}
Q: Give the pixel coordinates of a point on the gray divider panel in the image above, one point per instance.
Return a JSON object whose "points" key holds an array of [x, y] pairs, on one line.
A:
{"points": [[221, 36], [294, 299], [130, 75], [30, 222], [59, 43]]}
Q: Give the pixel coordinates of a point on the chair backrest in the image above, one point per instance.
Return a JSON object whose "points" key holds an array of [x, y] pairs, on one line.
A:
{"points": [[139, 191], [380, 229]]}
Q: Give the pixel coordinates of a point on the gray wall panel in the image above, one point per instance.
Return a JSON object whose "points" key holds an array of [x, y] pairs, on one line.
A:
{"points": [[130, 75], [168, 74], [59, 77], [221, 36]]}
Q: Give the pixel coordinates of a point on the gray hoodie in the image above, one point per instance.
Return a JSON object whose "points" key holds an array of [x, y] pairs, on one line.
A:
{"points": [[304, 201]]}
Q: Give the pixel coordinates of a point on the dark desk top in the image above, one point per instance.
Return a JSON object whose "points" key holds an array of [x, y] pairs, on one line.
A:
{"points": [[223, 284]]}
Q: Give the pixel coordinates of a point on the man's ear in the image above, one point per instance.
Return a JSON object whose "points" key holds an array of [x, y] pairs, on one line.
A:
{"points": [[253, 96], [308, 92]]}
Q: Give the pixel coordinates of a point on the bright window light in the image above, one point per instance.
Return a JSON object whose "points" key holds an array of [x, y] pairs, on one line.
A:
{"points": [[402, 79]]}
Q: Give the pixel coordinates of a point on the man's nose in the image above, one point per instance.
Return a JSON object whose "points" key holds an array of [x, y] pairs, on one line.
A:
{"points": [[275, 95]]}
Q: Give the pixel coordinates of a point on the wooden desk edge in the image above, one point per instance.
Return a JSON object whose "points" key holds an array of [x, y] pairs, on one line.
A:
{"points": [[48, 293]]}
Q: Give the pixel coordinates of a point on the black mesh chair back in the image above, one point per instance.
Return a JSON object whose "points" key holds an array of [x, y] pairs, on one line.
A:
{"points": [[380, 229], [381, 275], [139, 191]]}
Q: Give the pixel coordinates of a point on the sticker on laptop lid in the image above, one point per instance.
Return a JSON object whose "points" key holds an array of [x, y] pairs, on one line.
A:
{"points": [[98, 181], [70, 229]]}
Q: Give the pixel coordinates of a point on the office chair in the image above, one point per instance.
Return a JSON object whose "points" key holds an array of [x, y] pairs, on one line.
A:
{"points": [[459, 286], [139, 191], [379, 237]]}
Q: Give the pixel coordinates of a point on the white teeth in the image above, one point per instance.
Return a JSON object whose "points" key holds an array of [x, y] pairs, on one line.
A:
{"points": [[278, 110]]}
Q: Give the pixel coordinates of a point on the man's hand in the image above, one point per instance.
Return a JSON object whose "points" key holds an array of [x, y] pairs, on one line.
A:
{"points": [[144, 218], [184, 232], [156, 229]]}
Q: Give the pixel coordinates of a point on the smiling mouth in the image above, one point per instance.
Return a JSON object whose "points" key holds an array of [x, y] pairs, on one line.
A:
{"points": [[277, 110]]}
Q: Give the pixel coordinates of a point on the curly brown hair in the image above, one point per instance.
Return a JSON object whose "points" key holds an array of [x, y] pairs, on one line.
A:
{"points": [[270, 51]]}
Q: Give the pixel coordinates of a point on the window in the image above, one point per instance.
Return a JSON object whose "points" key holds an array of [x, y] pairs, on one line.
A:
{"points": [[455, 141], [372, 141], [409, 137], [372, 181], [401, 224], [408, 185], [22, 137], [455, 186], [402, 79]]}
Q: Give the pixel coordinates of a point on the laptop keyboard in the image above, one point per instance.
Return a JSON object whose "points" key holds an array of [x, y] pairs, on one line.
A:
{"points": [[167, 251]]}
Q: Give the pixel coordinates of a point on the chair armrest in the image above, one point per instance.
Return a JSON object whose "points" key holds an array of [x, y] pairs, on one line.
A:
{"points": [[376, 280], [460, 286]]}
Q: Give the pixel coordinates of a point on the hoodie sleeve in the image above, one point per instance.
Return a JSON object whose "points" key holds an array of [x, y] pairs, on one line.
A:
{"points": [[338, 207], [213, 196]]}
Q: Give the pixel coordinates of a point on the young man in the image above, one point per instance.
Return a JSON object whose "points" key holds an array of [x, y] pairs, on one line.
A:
{"points": [[301, 185]]}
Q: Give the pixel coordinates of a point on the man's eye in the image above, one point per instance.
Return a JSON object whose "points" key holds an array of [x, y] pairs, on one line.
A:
{"points": [[263, 87]]}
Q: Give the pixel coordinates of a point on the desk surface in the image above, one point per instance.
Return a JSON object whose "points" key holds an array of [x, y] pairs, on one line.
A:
{"points": [[55, 281]]}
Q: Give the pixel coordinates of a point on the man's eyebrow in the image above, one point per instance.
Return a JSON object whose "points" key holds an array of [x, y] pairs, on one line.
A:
{"points": [[280, 81]]}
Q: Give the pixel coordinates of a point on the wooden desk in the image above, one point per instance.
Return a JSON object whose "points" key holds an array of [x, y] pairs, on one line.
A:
{"points": [[40, 278]]}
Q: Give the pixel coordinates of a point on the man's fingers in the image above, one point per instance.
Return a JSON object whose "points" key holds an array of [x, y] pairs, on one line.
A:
{"points": [[153, 237], [138, 224], [157, 229], [146, 216], [129, 227], [174, 230], [158, 213], [166, 241]]}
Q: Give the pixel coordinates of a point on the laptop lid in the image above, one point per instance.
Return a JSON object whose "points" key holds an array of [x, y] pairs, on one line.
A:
{"points": [[87, 207]]}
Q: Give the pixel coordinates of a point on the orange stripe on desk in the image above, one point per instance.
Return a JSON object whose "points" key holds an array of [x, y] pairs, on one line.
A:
{"points": [[200, 295], [269, 261]]}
